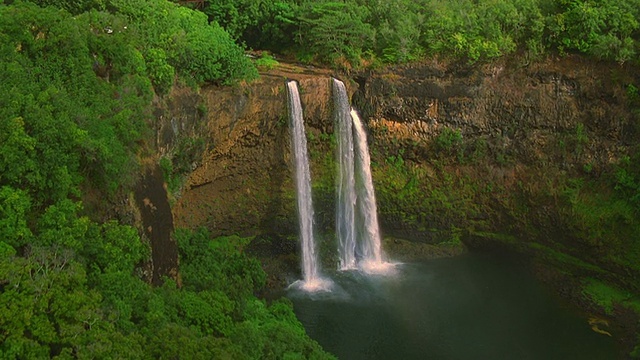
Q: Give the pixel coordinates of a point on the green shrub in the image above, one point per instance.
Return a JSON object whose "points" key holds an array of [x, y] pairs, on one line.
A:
{"points": [[449, 140], [266, 61]]}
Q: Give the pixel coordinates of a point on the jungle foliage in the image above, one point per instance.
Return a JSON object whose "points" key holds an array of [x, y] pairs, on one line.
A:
{"points": [[78, 79], [63, 302], [356, 32]]}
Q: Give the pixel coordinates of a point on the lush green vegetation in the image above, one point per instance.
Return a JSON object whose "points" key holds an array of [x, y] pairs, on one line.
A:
{"points": [[55, 303], [356, 32], [78, 78], [603, 212], [178, 166], [593, 217], [607, 296]]}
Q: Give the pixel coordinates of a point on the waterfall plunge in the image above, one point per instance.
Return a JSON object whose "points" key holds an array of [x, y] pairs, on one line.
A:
{"points": [[312, 281], [368, 229], [357, 226]]}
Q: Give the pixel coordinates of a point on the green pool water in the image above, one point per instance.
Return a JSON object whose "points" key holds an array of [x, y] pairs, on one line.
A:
{"points": [[476, 306]]}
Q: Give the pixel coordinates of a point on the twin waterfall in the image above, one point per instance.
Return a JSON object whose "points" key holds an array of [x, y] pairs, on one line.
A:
{"points": [[356, 215], [357, 227]]}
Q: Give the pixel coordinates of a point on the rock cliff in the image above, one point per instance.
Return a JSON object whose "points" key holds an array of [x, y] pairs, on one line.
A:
{"points": [[243, 182], [531, 156], [511, 153], [520, 144]]}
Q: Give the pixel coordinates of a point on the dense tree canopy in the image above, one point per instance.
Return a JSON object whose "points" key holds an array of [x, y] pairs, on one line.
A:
{"points": [[405, 30]]}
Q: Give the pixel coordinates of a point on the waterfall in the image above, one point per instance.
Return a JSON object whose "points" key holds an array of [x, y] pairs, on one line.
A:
{"points": [[357, 226], [368, 229], [303, 185], [311, 277], [345, 182]]}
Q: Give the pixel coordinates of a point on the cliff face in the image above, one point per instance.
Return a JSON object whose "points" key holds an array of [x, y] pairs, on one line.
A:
{"points": [[528, 150], [508, 153], [243, 183], [522, 110], [507, 123], [524, 156]]}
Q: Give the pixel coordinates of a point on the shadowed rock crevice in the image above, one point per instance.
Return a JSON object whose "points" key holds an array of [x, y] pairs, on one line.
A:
{"points": [[157, 222]]}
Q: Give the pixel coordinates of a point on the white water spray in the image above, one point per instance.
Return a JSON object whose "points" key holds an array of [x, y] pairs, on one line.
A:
{"points": [[312, 280]]}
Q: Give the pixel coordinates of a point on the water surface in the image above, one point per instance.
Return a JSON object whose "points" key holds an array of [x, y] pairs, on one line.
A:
{"points": [[476, 306]]}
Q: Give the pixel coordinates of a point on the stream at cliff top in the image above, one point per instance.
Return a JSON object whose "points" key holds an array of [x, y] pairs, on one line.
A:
{"points": [[475, 306]]}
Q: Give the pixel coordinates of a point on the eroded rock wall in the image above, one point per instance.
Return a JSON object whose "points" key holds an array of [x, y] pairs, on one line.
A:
{"points": [[243, 183], [520, 107], [507, 147]]}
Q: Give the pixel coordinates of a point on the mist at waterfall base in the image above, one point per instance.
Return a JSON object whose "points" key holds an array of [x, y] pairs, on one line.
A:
{"points": [[475, 306]]}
